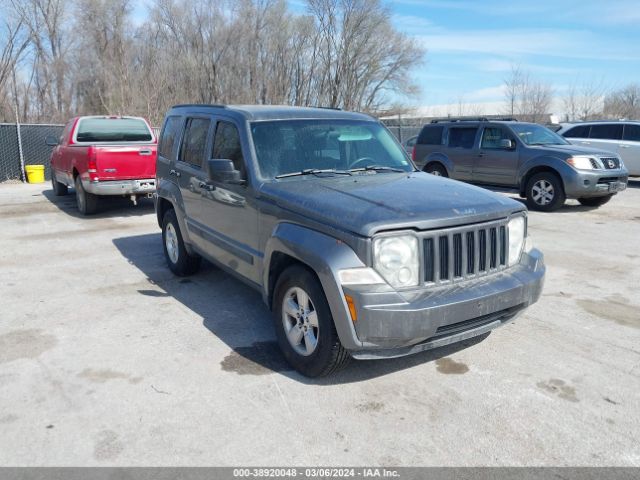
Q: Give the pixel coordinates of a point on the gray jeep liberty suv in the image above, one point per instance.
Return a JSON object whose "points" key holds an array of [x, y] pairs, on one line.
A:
{"points": [[543, 166], [356, 252]]}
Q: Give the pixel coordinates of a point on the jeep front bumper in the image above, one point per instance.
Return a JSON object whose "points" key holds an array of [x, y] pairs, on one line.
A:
{"points": [[390, 325]]}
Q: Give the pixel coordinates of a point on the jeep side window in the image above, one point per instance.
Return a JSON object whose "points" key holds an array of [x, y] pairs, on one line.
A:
{"points": [[430, 136], [632, 133], [227, 145], [168, 136], [462, 137], [491, 137], [194, 141], [607, 131], [581, 131]]}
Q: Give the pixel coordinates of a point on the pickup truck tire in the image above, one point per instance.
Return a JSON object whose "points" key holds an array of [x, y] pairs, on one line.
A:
{"points": [[304, 326], [436, 169], [545, 192], [59, 189], [179, 260], [594, 201], [87, 202]]}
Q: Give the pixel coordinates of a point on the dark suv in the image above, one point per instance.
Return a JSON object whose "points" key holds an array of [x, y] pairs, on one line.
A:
{"points": [[543, 166], [356, 252]]}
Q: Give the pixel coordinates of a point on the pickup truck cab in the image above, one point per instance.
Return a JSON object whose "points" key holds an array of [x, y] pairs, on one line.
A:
{"points": [[104, 155], [544, 167], [356, 252]]}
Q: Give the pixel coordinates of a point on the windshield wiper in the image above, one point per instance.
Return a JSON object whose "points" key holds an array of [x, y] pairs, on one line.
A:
{"points": [[377, 168], [314, 171]]}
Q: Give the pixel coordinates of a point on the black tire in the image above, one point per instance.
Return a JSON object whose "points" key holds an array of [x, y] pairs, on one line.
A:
{"points": [[87, 202], [545, 192], [59, 189], [183, 263], [329, 355], [594, 201], [436, 169]]}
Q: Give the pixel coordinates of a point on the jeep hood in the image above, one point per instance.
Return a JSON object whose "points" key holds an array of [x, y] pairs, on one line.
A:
{"points": [[367, 204]]}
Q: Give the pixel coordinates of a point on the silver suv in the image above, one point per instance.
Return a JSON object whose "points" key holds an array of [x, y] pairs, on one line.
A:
{"points": [[619, 137]]}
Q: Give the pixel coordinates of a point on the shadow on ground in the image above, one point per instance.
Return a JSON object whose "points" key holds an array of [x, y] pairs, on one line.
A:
{"points": [[111, 206], [236, 314]]}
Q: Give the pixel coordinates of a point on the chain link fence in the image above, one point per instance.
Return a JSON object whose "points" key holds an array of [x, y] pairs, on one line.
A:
{"points": [[25, 145]]}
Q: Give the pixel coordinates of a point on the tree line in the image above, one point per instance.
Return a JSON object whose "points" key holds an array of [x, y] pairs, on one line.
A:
{"points": [[59, 58]]}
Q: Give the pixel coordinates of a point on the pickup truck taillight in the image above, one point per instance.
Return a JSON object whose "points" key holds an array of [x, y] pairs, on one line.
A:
{"points": [[413, 153], [92, 166]]}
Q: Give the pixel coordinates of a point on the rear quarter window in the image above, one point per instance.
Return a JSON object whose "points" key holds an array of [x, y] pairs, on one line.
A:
{"points": [[168, 136], [430, 136]]}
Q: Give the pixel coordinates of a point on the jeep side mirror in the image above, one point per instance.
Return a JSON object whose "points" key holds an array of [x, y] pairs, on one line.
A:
{"points": [[51, 140], [507, 144], [223, 170]]}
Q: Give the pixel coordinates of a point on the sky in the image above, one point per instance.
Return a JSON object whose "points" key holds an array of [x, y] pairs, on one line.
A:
{"points": [[472, 45]]}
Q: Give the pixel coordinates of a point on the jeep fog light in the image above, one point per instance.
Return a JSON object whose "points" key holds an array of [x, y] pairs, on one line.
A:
{"points": [[516, 238], [397, 260]]}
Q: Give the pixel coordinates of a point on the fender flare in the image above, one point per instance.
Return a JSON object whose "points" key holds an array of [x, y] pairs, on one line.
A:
{"points": [[323, 254], [170, 192]]}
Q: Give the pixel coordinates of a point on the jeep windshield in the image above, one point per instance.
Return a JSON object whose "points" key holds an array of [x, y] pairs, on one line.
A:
{"points": [[533, 135], [299, 148]]}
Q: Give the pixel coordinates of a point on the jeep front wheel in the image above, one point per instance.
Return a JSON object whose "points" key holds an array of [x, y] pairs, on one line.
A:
{"points": [[545, 192], [304, 326]]}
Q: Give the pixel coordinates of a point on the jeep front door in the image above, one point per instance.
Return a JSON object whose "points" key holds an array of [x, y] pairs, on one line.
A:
{"points": [[495, 162], [229, 218]]}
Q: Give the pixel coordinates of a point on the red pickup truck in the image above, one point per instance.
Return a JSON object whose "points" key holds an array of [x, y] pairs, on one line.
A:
{"points": [[104, 155]]}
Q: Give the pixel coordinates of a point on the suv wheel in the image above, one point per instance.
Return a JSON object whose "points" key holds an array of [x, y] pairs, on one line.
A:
{"points": [[87, 202], [304, 326], [436, 169], [594, 201], [179, 260], [59, 189], [545, 192]]}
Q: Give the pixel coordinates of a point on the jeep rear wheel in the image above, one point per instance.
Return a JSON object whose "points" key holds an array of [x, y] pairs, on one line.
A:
{"points": [[304, 326], [594, 201], [545, 192], [180, 261]]}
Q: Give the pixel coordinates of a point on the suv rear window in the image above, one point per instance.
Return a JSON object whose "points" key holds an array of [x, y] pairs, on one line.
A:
{"points": [[430, 136], [113, 130], [607, 131], [462, 137], [632, 132], [581, 131]]}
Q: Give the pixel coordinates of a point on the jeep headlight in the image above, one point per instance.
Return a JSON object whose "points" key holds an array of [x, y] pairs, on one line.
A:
{"points": [[582, 162], [397, 260], [516, 238]]}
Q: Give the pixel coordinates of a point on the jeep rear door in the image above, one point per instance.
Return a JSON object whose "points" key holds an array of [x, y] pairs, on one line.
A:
{"points": [[495, 164]]}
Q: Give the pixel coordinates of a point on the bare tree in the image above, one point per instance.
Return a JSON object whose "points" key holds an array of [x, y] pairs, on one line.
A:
{"points": [[512, 88], [13, 44], [527, 97], [624, 103], [586, 101]]}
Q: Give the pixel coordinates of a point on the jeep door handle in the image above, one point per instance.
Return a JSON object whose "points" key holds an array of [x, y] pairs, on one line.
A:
{"points": [[174, 172], [206, 186]]}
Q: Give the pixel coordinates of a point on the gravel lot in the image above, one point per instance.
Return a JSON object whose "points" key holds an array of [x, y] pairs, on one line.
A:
{"points": [[107, 359]]}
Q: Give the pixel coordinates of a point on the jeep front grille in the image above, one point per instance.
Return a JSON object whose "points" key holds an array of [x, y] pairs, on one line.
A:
{"points": [[460, 253], [610, 163]]}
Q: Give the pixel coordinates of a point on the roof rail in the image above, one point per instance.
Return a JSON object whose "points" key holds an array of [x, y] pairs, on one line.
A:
{"points": [[474, 119], [216, 105], [326, 108]]}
